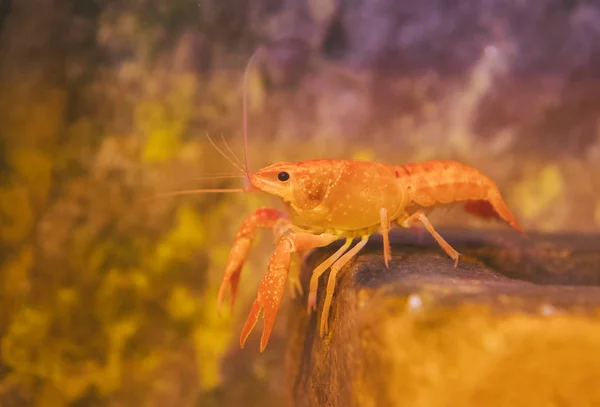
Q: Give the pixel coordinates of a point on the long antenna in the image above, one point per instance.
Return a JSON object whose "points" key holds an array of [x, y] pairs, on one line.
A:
{"points": [[257, 53], [229, 176], [201, 191]]}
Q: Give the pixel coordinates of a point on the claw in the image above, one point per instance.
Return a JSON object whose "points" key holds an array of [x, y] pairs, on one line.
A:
{"points": [[263, 217], [251, 321], [272, 285], [235, 262], [270, 294]]}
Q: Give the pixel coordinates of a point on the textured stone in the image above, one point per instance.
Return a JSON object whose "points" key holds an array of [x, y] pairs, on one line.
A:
{"points": [[516, 324]]}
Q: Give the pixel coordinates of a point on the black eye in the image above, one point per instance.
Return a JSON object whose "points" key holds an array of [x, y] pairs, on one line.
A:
{"points": [[283, 176]]}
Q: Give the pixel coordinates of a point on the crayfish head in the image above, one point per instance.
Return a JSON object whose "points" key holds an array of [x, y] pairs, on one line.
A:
{"points": [[304, 185], [275, 179]]}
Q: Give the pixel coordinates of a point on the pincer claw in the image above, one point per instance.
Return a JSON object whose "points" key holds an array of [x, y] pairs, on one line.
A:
{"points": [[268, 299], [235, 262], [233, 281], [272, 285]]}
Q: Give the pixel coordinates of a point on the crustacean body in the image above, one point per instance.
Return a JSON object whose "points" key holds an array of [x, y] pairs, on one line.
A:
{"points": [[327, 200]]}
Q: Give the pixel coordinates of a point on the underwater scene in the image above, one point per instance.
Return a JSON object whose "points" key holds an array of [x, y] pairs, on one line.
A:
{"points": [[125, 179]]}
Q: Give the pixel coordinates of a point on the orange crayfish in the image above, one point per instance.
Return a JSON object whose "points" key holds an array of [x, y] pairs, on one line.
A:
{"points": [[327, 200]]}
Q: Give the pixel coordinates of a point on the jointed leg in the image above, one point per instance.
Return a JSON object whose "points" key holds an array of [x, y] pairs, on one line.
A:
{"points": [[332, 280], [263, 217], [272, 285], [420, 217], [281, 228], [385, 231], [320, 269]]}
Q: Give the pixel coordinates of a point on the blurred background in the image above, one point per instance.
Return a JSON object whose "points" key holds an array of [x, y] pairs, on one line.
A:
{"points": [[107, 295]]}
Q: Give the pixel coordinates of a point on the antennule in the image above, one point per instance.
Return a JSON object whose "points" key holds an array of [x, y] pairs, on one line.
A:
{"points": [[237, 160], [223, 154]]}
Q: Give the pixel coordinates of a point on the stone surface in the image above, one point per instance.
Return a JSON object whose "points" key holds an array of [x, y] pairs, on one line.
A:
{"points": [[516, 324]]}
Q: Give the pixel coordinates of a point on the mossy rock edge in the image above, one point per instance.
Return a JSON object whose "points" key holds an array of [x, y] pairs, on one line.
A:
{"points": [[516, 324]]}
